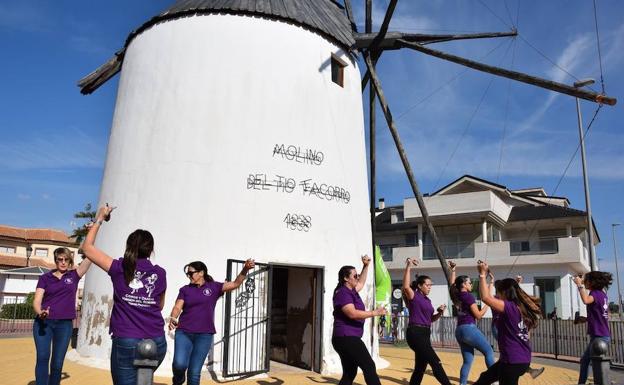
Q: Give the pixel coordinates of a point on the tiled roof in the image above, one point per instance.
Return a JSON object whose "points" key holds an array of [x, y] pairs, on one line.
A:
{"points": [[35, 234], [11, 262]]}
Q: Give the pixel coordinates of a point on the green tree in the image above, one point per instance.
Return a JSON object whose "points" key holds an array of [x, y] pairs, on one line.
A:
{"points": [[80, 232]]}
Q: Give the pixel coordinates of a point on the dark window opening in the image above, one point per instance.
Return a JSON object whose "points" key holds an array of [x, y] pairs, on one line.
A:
{"points": [[337, 70]]}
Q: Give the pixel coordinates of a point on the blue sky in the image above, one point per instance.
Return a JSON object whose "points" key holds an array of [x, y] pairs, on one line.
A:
{"points": [[54, 139]]}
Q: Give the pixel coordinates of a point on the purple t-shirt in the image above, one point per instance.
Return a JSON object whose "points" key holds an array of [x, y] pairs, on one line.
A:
{"points": [[420, 310], [136, 306], [199, 304], [464, 315], [343, 325], [59, 294], [598, 315], [513, 336]]}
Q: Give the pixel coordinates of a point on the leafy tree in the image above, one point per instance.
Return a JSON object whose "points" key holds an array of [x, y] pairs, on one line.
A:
{"points": [[80, 232]]}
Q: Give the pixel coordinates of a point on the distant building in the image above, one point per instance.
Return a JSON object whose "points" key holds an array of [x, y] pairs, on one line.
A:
{"points": [[518, 232], [15, 243], [25, 254]]}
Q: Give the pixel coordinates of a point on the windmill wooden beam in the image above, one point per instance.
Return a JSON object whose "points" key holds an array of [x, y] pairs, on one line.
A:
{"points": [[514, 75], [376, 85], [390, 39]]}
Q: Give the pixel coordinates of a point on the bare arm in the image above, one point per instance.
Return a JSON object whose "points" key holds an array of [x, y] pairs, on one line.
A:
{"points": [[94, 254], [362, 279], [438, 313], [407, 290], [484, 290], [82, 268], [478, 314], [162, 300], [240, 278], [350, 311], [175, 313], [585, 297], [37, 302]]}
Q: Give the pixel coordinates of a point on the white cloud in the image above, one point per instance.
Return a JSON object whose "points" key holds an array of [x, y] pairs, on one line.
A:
{"points": [[23, 197]]}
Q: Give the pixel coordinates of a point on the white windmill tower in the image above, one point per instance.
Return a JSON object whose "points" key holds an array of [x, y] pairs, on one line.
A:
{"points": [[238, 132]]}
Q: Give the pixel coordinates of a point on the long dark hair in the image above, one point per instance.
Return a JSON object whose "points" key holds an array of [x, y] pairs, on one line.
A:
{"points": [[456, 289], [199, 266], [139, 245], [599, 280], [509, 289], [343, 273]]}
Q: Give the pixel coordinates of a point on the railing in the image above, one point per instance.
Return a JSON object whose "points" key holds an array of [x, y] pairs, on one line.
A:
{"points": [[16, 316], [553, 337], [451, 250], [534, 247]]}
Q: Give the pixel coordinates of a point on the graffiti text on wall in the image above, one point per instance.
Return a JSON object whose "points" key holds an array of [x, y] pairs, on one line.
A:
{"points": [[308, 187], [296, 154], [298, 222]]}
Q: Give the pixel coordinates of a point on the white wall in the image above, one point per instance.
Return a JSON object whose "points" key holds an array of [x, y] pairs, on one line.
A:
{"points": [[202, 102]]}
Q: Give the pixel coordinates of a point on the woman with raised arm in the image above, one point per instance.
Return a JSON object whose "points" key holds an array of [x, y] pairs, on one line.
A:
{"points": [[517, 313], [192, 317], [138, 298], [597, 282], [467, 333], [421, 316], [55, 307], [349, 316]]}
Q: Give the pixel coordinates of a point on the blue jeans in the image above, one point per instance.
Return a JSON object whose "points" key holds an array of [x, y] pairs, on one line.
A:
{"points": [[57, 333], [586, 358], [123, 353], [470, 337], [190, 352]]}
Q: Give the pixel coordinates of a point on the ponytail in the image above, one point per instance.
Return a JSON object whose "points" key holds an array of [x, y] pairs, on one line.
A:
{"points": [[455, 289], [139, 245]]}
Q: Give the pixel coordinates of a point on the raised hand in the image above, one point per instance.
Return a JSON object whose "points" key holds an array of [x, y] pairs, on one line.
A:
{"points": [[249, 264], [365, 260]]}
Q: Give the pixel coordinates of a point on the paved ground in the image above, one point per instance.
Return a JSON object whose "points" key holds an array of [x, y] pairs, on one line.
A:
{"points": [[17, 367]]}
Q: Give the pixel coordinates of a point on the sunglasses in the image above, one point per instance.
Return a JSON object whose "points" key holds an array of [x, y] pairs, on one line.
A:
{"points": [[63, 260], [190, 273]]}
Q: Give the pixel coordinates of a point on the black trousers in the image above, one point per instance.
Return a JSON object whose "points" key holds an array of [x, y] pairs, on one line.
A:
{"points": [[353, 353], [505, 374], [419, 340]]}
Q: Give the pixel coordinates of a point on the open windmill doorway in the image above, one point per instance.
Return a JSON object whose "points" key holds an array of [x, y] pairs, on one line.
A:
{"points": [[296, 316]]}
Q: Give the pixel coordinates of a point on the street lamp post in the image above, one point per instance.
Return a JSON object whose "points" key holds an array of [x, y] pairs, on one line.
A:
{"points": [[28, 254], [590, 232], [617, 271]]}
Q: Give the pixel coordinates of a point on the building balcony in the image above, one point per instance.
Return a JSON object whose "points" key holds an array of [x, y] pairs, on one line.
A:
{"points": [[569, 250]]}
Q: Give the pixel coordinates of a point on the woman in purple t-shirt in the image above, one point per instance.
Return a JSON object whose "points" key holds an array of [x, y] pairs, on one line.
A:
{"points": [[349, 316], [138, 298], [467, 333], [597, 282], [418, 334], [517, 314], [192, 317], [55, 306]]}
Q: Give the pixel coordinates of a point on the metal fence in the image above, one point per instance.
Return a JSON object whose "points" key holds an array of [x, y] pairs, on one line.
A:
{"points": [[559, 338], [16, 316]]}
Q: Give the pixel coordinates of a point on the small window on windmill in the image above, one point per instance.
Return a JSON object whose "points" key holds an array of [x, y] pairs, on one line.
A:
{"points": [[337, 70]]}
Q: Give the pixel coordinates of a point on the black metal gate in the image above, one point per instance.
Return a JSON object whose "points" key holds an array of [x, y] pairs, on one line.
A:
{"points": [[247, 319]]}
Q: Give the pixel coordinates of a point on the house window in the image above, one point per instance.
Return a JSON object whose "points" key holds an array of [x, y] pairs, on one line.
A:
{"points": [[337, 70], [386, 252], [7, 249], [41, 252], [410, 239]]}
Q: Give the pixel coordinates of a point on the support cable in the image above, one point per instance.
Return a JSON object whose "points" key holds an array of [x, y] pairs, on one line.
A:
{"points": [[554, 191]]}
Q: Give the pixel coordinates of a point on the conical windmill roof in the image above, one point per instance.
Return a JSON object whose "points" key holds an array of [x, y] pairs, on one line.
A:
{"points": [[325, 17]]}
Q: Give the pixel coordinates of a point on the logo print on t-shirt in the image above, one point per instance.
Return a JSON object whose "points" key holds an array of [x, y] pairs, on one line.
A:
{"points": [[523, 332], [136, 283], [605, 309], [207, 292], [68, 280], [149, 288]]}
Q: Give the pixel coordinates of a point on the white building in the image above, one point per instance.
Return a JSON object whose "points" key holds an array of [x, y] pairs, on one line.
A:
{"points": [[238, 132], [518, 232]]}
